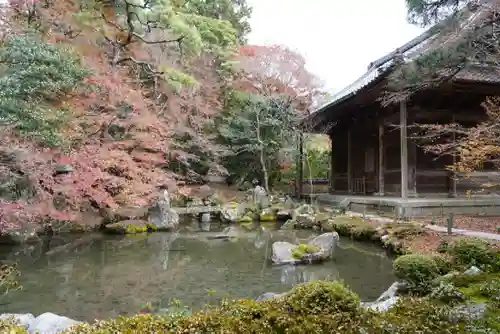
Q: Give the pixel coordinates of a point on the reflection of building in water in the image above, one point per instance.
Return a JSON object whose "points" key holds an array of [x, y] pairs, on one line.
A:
{"points": [[292, 275]]}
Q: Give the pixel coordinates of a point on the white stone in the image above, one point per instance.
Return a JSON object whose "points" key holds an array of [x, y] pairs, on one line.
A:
{"points": [[472, 271], [50, 323], [382, 306]]}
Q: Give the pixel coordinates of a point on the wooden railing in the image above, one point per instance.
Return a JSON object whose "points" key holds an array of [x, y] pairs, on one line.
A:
{"points": [[358, 185]]}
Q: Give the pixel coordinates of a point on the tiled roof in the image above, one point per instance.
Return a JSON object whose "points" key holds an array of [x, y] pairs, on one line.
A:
{"points": [[426, 42]]}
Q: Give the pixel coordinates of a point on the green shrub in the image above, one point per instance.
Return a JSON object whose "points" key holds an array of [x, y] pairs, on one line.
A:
{"points": [[418, 270], [35, 77], [409, 316], [323, 296], [472, 251]]}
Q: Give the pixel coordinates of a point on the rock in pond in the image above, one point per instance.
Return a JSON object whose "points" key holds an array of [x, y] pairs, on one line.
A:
{"points": [[127, 227], [161, 216], [229, 213], [284, 215], [267, 215], [46, 323], [19, 236], [269, 295], [318, 250]]}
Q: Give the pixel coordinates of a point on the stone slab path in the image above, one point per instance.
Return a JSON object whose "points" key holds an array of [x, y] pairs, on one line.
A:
{"points": [[435, 228], [477, 234]]}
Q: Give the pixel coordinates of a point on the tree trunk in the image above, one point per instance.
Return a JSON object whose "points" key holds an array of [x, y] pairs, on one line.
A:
{"points": [[262, 158]]}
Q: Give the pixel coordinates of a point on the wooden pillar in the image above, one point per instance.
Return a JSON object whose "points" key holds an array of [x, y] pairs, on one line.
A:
{"points": [[349, 169], [403, 118], [381, 160], [408, 157], [332, 165], [412, 168], [453, 176]]}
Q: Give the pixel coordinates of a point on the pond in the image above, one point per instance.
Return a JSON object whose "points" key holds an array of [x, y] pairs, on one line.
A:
{"points": [[102, 276]]}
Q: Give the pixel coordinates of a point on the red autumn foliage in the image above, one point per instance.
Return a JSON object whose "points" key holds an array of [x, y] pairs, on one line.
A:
{"points": [[276, 69], [107, 172]]}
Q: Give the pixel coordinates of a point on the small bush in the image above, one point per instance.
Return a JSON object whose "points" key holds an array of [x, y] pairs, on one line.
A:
{"points": [[34, 80], [418, 270], [472, 251], [323, 296], [410, 316]]}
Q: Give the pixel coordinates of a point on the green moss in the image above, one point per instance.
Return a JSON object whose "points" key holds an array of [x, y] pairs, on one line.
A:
{"points": [[127, 227], [354, 227], [245, 219], [302, 249]]}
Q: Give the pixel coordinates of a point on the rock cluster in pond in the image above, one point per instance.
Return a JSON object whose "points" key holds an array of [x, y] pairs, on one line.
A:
{"points": [[159, 217], [317, 250], [46, 323]]}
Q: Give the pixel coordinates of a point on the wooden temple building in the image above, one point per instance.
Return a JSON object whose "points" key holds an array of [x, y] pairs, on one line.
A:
{"points": [[374, 162]]}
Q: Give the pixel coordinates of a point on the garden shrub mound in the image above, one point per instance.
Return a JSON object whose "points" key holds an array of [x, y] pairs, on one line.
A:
{"points": [[474, 251], [417, 269], [315, 307]]}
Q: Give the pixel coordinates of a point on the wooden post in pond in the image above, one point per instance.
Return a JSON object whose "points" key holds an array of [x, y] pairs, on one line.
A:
{"points": [[450, 224]]}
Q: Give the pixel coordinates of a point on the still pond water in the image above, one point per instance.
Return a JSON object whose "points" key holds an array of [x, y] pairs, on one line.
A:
{"points": [[105, 276]]}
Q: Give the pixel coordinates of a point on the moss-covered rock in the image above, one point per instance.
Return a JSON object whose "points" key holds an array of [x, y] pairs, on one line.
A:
{"points": [[267, 215], [350, 226], [126, 213], [127, 227], [245, 219]]}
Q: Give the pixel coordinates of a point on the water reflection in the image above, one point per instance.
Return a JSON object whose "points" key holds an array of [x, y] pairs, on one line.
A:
{"points": [[105, 276]]}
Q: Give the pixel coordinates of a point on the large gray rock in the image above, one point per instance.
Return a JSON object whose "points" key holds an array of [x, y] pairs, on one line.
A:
{"points": [[471, 311], [20, 236], [327, 242], [229, 214], [284, 215], [382, 306], [161, 215], [259, 197], [269, 295], [304, 220], [283, 252]]}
